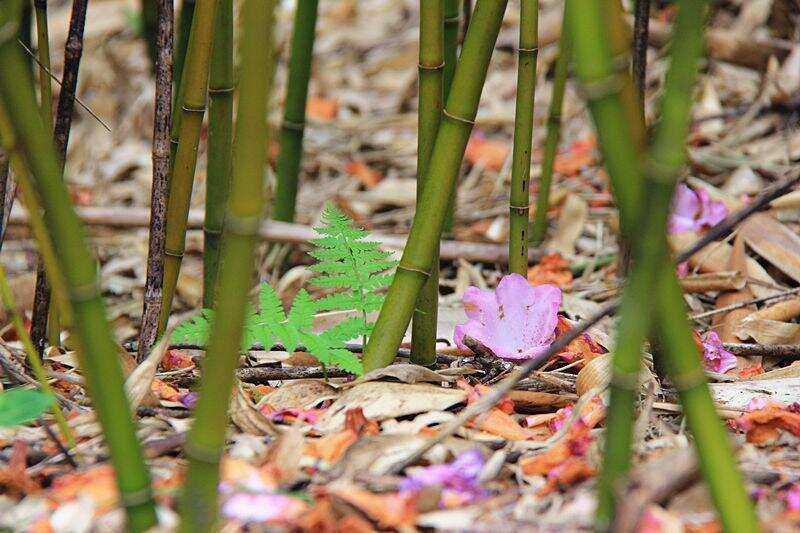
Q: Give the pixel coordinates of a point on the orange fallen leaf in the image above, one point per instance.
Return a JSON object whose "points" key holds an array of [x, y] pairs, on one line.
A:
{"points": [[583, 348], [369, 177], [552, 268], [491, 153], [331, 447], [394, 510], [750, 371], [177, 360], [578, 156], [322, 109], [14, 478], [98, 482], [572, 471], [165, 391], [499, 423], [765, 425]]}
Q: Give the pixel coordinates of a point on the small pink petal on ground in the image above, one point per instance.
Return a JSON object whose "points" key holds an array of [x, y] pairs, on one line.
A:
{"points": [[715, 357]]}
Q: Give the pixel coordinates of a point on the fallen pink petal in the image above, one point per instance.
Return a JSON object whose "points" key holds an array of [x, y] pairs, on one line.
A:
{"points": [[715, 357], [248, 507], [458, 479], [694, 210], [515, 321]]}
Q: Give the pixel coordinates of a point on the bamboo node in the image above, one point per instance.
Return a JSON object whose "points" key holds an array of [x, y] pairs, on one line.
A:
{"points": [[467, 121], [201, 453], [194, 109], [220, 90], [527, 50], [440, 66], [173, 253], [136, 498], [455, 19], [211, 231], [689, 380], [601, 88], [84, 293], [416, 270], [525, 207], [246, 226], [625, 380], [291, 125]]}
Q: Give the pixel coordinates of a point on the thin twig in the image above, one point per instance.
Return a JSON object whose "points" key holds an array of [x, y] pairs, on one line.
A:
{"points": [[641, 27], [6, 185], [158, 202], [781, 351], [745, 303]]}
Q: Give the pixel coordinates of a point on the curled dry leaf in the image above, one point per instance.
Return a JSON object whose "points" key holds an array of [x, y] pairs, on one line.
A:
{"points": [[570, 225], [389, 511], [597, 374], [247, 417], [299, 394], [405, 373], [138, 383], [381, 400], [765, 425]]}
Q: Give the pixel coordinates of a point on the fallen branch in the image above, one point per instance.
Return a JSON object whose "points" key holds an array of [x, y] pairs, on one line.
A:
{"points": [[780, 351], [285, 232]]}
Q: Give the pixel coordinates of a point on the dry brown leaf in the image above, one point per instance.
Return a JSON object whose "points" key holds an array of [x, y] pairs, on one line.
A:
{"points": [[405, 373], [139, 382], [247, 417], [381, 400], [570, 224], [774, 242], [725, 324], [768, 331], [738, 395], [713, 282], [782, 311], [299, 394]]}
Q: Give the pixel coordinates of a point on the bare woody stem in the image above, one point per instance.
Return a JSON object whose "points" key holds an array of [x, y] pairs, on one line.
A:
{"points": [[294, 114], [552, 136], [218, 173], [37, 165], [431, 70], [73, 51], [448, 152], [159, 188], [206, 440], [641, 29], [186, 131], [519, 203]]}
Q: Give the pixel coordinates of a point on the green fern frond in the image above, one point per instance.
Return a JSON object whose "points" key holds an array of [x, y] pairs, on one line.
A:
{"points": [[196, 330]]}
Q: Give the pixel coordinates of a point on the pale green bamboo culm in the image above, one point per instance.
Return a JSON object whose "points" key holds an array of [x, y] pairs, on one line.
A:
{"points": [[187, 125], [183, 31], [36, 164], [218, 170], [663, 316], [448, 151], [206, 440], [519, 203], [539, 227], [431, 70], [294, 112]]}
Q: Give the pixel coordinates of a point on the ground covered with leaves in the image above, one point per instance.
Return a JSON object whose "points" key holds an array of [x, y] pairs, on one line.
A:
{"points": [[316, 449]]}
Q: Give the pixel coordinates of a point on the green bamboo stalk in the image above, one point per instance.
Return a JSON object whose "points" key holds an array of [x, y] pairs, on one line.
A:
{"points": [[448, 152], [7, 297], [552, 136], [206, 440], [43, 53], [431, 67], [294, 114], [220, 123], [520, 200], [451, 21], [189, 121], [24, 134], [182, 38]]}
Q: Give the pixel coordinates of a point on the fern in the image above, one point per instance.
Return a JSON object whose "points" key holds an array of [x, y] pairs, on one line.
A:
{"points": [[353, 267]]}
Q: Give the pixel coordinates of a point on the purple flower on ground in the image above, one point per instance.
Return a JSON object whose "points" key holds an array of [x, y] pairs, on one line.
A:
{"points": [[694, 210], [515, 321], [459, 479], [715, 357], [189, 400], [792, 498]]}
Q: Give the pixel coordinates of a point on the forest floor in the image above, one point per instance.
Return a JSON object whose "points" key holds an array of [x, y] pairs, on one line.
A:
{"points": [[317, 455]]}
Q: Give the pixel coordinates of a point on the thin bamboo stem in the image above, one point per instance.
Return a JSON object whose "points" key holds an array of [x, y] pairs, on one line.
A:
{"points": [[151, 308], [641, 29], [520, 200], [218, 173], [431, 70], [552, 136], [206, 440], [6, 184], [448, 151], [294, 114], [25, 135], [451, 22], [43, 53], [187, 124], [73, 50], [7, 298]]}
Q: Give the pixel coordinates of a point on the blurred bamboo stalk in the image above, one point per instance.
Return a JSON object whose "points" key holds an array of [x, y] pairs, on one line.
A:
{"points": [[448, 151], [73, 51], [43, 55], [7, 298], [604, 75], [552, 136], [218, 173], [148, 11], [431, 70], [294, 114], [151, 308], [186, 131], [37, 165], [206, 440], [641, 30], [451, 21], [520, 199]]}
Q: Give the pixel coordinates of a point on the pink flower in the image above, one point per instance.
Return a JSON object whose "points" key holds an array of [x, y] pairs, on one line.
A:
{"points": [[715, 357], [694, 210], [261, 507], [458, 480], [792, 498], [515, 321]]}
